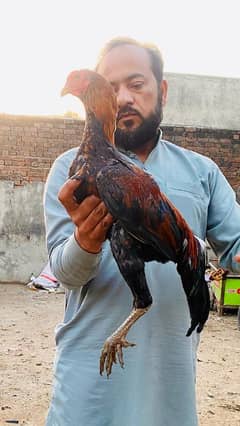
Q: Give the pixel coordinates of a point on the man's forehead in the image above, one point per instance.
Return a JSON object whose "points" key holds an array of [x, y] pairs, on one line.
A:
{"points": [[123, 61]]}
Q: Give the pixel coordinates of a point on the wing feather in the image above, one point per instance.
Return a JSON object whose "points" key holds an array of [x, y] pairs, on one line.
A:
{"points": [[133, 197]]}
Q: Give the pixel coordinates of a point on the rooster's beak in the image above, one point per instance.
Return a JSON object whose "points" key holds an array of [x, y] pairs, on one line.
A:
{"points": [[64, 91]]}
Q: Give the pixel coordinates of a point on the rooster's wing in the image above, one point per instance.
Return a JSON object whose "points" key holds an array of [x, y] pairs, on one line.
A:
{"points": [[133, 197]]}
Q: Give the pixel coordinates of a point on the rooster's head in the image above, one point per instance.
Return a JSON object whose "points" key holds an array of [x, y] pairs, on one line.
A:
{"points": [[97, 95], [77, 83]]}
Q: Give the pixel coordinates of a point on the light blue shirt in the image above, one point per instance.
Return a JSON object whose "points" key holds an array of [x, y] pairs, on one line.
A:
{"points": [[157, 385]]}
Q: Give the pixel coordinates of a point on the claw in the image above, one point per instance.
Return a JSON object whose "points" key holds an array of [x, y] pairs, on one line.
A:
{"points": [[112, 349], [120, 355], [112, 353]]}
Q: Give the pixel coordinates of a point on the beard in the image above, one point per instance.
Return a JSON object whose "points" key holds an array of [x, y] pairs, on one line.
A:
{"points": [[129, 140]]}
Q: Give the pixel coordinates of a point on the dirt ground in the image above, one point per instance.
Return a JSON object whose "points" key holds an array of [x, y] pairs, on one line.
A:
{"points": [[27, 321]]}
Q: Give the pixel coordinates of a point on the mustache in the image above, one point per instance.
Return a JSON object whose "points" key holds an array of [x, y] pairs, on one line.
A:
{"points": [[127, 111]]}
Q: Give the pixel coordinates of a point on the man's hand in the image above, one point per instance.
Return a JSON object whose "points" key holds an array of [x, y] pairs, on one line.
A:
{"points": [[91, 217], [237, 258]]}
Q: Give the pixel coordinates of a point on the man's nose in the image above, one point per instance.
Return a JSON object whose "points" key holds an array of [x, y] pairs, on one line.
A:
{"points": [[124, 97]]}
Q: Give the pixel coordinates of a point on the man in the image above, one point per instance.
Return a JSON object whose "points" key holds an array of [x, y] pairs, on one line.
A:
{"points": [[157, 386]]}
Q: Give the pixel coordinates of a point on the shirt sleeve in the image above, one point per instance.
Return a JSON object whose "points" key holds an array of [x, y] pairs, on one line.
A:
{"points": [[71, 265], [223, 230]]}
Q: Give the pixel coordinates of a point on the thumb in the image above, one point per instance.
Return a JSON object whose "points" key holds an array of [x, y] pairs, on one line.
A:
{"points": [[66, 194]]}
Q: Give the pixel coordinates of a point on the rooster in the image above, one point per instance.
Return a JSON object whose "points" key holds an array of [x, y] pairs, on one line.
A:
{"points": [[146, 226]]}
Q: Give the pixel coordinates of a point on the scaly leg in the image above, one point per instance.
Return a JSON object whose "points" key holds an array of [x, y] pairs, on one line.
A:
{"points": [[129, 256], [114, 344]]}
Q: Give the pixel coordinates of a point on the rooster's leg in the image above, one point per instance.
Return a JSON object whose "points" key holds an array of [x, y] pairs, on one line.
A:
{"points": [[128, 255], [112, 349]]}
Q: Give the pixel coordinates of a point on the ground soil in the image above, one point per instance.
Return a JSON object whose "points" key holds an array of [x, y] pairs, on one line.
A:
{"points": [[27, 321]]}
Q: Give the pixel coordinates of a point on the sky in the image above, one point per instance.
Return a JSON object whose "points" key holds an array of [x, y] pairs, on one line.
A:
{"points": [[41, 41]]}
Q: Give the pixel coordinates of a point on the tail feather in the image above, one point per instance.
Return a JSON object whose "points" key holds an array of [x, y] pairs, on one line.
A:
{"points": [[199, 306], [196, 289]]}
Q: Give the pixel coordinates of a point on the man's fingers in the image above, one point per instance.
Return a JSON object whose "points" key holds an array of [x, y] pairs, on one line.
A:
{"points": [[97, 221], [91, 216], [100, 230], [87, 206], [66, 197], [66, 194], [108, 221], [90, 235], [99, 211]]}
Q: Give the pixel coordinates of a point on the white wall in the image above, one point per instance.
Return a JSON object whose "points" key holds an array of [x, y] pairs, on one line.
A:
{"points": [[202, 101], [22, 239]]}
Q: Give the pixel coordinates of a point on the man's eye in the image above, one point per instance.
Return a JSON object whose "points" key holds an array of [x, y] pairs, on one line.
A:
{"points": [[137, 85]]}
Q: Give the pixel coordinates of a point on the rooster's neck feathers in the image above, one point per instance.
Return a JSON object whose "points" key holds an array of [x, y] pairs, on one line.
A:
{"points": [[101, 104], [95, 138]]}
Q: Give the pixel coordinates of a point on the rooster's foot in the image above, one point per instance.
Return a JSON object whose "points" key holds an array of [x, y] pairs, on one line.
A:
{"points": [[112, 349], [112, 352]]}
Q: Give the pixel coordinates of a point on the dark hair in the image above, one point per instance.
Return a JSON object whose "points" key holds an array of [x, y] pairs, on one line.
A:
{"points": [[151, 49]]}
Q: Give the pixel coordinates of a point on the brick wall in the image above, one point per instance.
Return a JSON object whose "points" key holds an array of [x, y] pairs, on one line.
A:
{"points": [[222, 146], [29, 145]]}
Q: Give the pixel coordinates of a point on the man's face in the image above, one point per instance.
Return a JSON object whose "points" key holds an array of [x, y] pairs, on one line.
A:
{"points": [[139, 96]]}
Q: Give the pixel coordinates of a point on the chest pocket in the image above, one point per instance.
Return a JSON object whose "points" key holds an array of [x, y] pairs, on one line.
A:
{"points": [[186, 189], [188, 197]]}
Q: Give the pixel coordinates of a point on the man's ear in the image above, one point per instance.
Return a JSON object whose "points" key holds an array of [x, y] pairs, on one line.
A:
{"points": [[164, 90]]}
